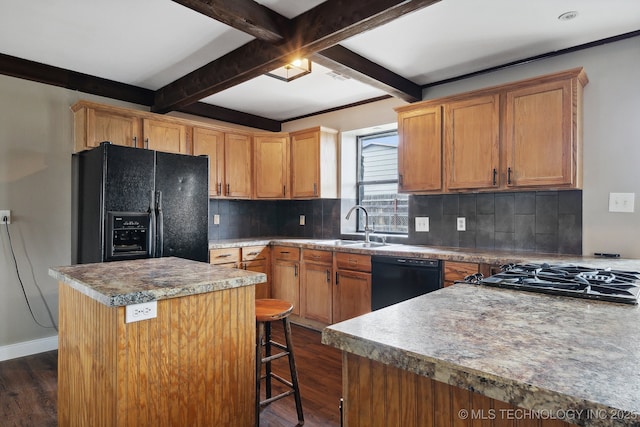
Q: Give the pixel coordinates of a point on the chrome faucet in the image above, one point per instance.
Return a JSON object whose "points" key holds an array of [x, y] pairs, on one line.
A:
{"points": [[367, 230]]}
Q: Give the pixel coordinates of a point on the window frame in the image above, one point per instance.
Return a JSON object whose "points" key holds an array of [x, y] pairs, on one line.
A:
{"points": [[359, 173]]}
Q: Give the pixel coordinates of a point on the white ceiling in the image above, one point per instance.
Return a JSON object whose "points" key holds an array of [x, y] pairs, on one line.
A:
{"points": [[150, 43]]}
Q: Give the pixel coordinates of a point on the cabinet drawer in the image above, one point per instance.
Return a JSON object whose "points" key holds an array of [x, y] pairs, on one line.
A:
{"points": [[286, 253], [312, 255], [224, 256], [255, 252], [353, 261]]}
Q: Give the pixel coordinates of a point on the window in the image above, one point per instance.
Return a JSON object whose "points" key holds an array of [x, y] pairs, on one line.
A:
{"points": [[377, 182]]}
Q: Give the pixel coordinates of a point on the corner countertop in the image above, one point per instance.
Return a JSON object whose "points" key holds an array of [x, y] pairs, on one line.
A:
{"points": [[480, 256], [536, 351], [132, 282]]}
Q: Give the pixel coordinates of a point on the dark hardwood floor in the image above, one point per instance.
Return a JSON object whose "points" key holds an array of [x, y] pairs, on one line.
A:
{"points": [[28, 393]]}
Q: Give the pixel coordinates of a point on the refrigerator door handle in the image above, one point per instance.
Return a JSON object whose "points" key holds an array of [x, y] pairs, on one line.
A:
{"points": [[159, 226], [152, 226]]}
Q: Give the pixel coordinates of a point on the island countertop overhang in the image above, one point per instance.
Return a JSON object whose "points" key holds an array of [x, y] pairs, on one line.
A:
{"points": [[124, 283], [530, 350]]}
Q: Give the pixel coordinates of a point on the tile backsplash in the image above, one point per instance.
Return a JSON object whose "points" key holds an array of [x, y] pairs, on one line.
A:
{"points": [[535, 221]]}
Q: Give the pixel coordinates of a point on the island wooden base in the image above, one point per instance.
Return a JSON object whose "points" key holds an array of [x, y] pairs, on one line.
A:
{"points": [[376, 394], [193, 365]]}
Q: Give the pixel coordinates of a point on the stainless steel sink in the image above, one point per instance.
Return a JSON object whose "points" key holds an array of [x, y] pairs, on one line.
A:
{"points": [[338, 242], [368, 245]]}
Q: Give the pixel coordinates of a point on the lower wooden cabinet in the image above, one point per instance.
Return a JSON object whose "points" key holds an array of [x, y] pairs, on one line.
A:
{"points": [[352, 290], [454, 270], [285, 274], [252, 258], [316, 285]]}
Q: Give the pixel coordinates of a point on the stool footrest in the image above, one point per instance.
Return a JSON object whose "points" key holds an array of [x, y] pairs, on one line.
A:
{"points": [[274, 356], [274, 398]]}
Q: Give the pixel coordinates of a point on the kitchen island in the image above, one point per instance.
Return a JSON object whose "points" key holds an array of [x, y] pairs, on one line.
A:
{"points": [[471, 355], [190, 365]]}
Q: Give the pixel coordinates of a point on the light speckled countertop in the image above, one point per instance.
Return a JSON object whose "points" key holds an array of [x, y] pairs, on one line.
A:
{"points": [[480, 256], [531, 350], [133, 282]]}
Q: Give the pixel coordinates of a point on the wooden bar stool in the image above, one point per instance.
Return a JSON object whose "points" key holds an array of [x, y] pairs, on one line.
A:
{"points": [[267, 311]]}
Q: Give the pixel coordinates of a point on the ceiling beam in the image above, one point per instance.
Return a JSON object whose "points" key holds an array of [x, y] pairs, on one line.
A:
{"points": [[344, 61], [317, 29], [43, 73], [244, 15], [232, 116]]}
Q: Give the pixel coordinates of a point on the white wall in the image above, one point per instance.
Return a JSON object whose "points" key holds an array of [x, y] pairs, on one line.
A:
{"points": [[36, 142], [611, 155]]}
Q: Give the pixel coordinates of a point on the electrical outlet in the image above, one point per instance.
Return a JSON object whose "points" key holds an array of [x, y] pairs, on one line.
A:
{"points": [[302, 220], [461, 225], [4, 214], [422, 223], [143, 311], [216, 219], [622, 202]]}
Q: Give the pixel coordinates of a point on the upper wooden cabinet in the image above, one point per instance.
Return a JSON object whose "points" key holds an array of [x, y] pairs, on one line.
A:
{"points": [[541, 134], [523, 135], [420, 149], [271, 171], [165, 136], [238, 155], [210, 142], [314, 163], [471, 143], [95, 123]]}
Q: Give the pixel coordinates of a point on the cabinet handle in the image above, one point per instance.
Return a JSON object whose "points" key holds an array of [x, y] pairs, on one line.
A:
{"points": [[228, 189], [135, 142], [245, 266], [295, 270], [219, 192], [328, 276], [253, 253], [400, 180], [495, 176], [146, 143], [284, 252], [284, 190], [508, 175], [223, 255], [315, 189], [337, 275]]}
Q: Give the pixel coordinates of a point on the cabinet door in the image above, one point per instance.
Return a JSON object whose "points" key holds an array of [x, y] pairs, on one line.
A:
{"points": [[471, 133], [286, 283], [165, 136], [260, 266], [420, 150], [238, 164], [454, 270], [110, 126], [315, 295], [305, 165], [352, 295], [211, 143], [539, 135], [271, 166]]}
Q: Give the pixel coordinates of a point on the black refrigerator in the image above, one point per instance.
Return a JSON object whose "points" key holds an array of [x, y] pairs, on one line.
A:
{"points": [[130, 203]]}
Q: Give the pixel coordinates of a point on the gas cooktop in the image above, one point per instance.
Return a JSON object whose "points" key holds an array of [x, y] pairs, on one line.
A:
{"points": [[568, 280]]}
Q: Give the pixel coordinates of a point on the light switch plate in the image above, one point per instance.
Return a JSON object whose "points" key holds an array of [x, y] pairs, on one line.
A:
{"points": [[461, 224], [302, 220], [143, 311], [622, 202], [216, 219], [422, 223]]}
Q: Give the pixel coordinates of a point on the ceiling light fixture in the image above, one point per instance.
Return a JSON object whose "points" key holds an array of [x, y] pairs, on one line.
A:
{"points": [[568, 16], [292, 71]]}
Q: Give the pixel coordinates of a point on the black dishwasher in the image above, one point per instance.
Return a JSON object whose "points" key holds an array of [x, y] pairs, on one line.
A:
{"points": [[398, 279]]}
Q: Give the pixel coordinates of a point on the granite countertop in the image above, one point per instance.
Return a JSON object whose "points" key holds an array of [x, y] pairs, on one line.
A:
{"points": [[132, 282], [536, 351], [480, 256]]}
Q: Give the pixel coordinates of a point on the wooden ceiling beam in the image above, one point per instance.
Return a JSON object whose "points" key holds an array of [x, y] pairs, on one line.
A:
{"points": [[344, 61], [317, 29], [244, 15], [232, 116]]}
